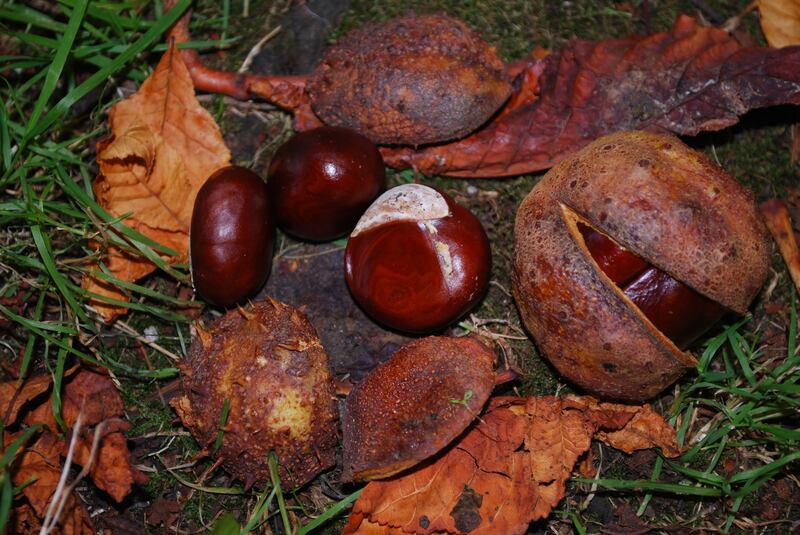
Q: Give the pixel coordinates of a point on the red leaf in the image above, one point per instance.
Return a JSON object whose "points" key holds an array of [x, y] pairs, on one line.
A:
{"points": [[684, 81]]}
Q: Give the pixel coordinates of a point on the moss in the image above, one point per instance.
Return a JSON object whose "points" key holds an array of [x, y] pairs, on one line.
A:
{"points": [[207, 17], [517, 26], [757, 152]]}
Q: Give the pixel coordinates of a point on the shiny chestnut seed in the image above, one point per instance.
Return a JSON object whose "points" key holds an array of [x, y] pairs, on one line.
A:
{"points": [[231, 236], [679, 312], [417, 261], [618, 263], [671, 207], [322, 180], [676, 310]]}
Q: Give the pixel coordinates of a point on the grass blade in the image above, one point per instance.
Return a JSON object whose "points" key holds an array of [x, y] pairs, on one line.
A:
{"points": [[654, 486], [329, 514], [155, 31], [6, 497], [58, 381], [11, 451], [45, 252], [57, 66]]}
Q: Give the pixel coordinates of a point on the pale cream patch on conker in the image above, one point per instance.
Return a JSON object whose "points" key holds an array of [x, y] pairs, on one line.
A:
{"points": [[409, 202], [445, 260]]}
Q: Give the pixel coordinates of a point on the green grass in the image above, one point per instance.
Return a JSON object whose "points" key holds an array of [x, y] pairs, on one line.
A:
{"points": [[754, 403], [56, 90]]}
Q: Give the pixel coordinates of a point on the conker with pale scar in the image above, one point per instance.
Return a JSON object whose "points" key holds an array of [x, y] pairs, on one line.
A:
{"points": [[416, 260], [625, 253], [231, 236], [322, 180]]}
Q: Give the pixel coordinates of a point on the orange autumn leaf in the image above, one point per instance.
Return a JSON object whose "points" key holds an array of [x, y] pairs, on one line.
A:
{"points": [[358, 523], [39, 463], [39, 466], [780, 22], [94, 394], [13, 395], [164, 145], [507, 471]]}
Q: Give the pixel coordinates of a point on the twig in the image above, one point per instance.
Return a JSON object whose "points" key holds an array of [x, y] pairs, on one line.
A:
{"points": [[63, 492], [779, 224], [288, 92], [246, 105], [158, 434], [593, 489], [257, 48], [49, 522], [127, 329], [733, 23], [312, 255]]}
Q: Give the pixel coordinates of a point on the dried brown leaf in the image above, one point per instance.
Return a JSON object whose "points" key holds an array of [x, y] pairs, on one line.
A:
{"points": [[40, 466], [779, 222], [164, 146], [13, 395], [508, 470], [647, 429], [780, 22], [93, 393], [111, 471], [685, 81]]}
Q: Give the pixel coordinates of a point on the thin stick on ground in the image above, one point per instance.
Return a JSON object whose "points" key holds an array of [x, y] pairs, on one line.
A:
{"points": [[256, 49], [64, 491]]}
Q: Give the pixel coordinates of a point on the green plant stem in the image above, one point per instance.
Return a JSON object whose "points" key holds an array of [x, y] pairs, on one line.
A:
{"points": [[276, 484]]}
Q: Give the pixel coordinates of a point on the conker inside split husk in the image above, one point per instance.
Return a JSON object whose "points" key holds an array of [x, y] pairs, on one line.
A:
{"points": [[676, 227], [267, 361]]}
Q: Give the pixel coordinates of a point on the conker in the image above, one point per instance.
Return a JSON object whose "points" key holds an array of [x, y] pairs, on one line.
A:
{"points": [[625, 252], [676, 310], [322, 180], [417, 261], [231, 236]]}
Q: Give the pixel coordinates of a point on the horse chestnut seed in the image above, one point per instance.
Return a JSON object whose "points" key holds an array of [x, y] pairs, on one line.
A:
{"points": [[231, 236], [322, 180], [676, 310], [416, 260]]}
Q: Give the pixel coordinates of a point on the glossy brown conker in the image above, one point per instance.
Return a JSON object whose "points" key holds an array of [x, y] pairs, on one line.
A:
{"points": [[675, 309], [231, 236], [322, 180], [417, 261]]}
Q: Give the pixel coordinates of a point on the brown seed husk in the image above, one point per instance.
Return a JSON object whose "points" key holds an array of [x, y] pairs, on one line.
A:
{"points": [[414, 404], [661, 200], [267, 361], [411, 80]]}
